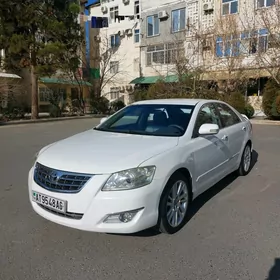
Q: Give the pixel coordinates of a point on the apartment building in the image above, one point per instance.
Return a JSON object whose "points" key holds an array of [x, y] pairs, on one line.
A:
{"points": [[168, 36], [116, 45], [225, 39]]}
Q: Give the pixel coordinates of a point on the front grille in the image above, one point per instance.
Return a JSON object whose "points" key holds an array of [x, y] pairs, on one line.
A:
{"points": [[59, 181], [75, 216]]}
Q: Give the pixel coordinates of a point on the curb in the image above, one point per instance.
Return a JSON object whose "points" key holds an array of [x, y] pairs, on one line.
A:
{"points": [[265, 122], [10, 123]]}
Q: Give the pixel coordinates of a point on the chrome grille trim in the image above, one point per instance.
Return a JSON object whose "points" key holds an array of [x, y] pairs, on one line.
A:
{"points": [[70, 215], [59, 181]]}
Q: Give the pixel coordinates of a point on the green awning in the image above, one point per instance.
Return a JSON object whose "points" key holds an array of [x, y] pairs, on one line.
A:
{"points": [[146, 80], [154, 79], [63, 81]]}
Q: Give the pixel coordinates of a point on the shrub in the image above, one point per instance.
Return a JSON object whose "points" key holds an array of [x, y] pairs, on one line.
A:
{"points": [[99, 104], [249, 111], [54, 111], [117, 105], [140, 94], [271, 92], [159, 89], [237, 101], [275, 109]]}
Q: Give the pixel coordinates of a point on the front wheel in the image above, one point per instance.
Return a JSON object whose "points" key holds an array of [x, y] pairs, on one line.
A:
{"points": [[174, 204], [246, 161]]}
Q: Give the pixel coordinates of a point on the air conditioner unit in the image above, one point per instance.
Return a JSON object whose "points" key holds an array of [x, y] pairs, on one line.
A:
{"points": [[129, 32], [208, 7], [104, 9], [162, 14], [126, 2], [121, 33]]}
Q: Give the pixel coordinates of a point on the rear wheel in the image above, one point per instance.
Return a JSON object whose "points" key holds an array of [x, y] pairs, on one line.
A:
{"points": [[174, 204], [246, 160]]}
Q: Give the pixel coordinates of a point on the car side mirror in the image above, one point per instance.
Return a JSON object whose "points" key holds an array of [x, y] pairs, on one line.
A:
{"points": [[208, 129], [103, 120]]}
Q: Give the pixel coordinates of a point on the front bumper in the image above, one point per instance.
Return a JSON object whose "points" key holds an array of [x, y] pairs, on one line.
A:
{"points": [[93, 206]]}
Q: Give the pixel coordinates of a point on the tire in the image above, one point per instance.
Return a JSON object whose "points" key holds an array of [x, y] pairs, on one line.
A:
{"points": [[246, 161], [167, 222]]}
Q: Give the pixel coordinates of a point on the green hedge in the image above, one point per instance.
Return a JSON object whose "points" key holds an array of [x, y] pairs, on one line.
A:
{"points": [[270, 102]]}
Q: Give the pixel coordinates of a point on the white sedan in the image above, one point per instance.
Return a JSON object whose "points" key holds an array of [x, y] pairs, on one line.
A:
{"points": [[141, 167]]}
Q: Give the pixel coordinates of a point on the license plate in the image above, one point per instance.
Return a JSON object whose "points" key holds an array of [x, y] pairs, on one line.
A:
{"points": [[50, 202]]}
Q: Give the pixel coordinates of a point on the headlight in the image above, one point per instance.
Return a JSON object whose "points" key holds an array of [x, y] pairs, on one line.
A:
{"points": [[130, 179]]}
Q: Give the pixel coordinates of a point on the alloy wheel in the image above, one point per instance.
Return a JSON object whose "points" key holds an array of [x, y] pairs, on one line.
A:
{"points": [[177, 203]]}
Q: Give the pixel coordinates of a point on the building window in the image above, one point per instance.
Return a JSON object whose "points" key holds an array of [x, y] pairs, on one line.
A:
{"points": [[245, 43], [136, 36], [153, 25], [114, 13], [265, 3], [44, 94], [48, 94], [229, 7], [137, 9], [115, 40], [165, 53], [178, 20], [115, 92], [114, 67], [2, 57]]}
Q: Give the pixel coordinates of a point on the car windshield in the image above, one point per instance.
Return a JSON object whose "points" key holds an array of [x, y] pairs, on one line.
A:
{"points": [[150, 119]]}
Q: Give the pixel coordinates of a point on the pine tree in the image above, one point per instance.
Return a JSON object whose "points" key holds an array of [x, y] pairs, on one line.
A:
{"points": [[36, 35]]}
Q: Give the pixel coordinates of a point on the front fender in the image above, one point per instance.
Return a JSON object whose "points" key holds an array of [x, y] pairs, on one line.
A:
{"points": [[169, 162]]}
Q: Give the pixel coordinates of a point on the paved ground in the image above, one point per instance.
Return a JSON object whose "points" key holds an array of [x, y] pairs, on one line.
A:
{"points": [[233, 232]]}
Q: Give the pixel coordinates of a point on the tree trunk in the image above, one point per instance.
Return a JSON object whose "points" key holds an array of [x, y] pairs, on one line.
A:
{"points": [[34, 94]]}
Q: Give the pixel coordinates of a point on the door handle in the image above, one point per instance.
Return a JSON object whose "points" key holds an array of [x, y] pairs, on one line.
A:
{"points": [[225, 138], [244, 128]]}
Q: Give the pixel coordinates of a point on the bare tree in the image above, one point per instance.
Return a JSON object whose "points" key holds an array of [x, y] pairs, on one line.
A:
{"points": [[267, 40], [10, 91], [111, 65]]}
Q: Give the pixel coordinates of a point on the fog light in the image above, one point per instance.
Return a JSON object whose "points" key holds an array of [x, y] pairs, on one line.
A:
{"points": [[127, 216], [123, 217]]}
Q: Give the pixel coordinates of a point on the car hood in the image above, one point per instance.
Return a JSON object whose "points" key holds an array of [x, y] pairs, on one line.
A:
{"points": [[98, 152]]}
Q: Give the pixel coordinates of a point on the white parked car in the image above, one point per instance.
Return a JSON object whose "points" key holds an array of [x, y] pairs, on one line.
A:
{"points": [[141, 167]]}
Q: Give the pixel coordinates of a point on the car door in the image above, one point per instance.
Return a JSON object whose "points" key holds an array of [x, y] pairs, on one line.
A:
{"points": [[211, 155], [234, 132]]}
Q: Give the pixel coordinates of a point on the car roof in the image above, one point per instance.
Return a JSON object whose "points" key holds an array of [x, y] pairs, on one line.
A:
{"points": [[174, 101]]}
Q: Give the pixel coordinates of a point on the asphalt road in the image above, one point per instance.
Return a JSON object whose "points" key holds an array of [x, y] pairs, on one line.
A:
{"points": [[233, 231]]}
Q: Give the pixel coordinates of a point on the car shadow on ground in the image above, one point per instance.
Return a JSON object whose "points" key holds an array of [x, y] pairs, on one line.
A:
{"points": [[201, 200], [274, 273]]}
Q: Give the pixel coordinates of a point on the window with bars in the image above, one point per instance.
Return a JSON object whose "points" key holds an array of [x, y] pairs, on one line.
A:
{"points": [[115, 92], [46, 94], [164, 54], [229, 7], [114, 67], [245, 43]]}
